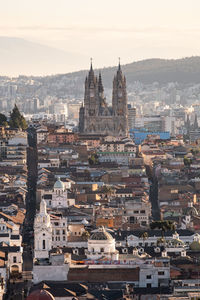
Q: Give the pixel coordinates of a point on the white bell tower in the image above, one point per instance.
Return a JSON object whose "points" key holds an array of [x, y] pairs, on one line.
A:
{"points": [[42, 233], [59, 195]]}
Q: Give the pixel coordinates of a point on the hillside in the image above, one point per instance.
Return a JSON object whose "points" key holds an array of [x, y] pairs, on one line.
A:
{"points": [[183, 71], [71, 85]]}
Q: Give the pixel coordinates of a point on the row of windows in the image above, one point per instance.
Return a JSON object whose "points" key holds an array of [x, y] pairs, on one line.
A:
{"points": [[160, 273], [137, 211], [57, 224], [101, 250], [58, 232], [57, 238]]}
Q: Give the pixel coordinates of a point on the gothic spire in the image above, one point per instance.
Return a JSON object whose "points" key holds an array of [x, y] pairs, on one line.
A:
{"points": [[91, 77], [100, 84], [91, 68], [119, 66], [119, 71]]}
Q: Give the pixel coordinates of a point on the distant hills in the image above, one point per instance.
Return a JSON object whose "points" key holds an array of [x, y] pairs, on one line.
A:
{"points": [[32, 58], [185, 70], [20, 56]]}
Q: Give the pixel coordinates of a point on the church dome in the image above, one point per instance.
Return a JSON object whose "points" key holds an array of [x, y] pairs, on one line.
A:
{"points": [[101, 235], [59, 184], [40, 295]]}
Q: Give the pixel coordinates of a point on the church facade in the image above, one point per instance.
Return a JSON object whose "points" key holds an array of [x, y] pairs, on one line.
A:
{"points": [[95, 116]]}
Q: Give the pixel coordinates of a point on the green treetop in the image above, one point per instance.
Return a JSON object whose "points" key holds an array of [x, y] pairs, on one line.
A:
{"points": [[16, 119], [3, 120]]}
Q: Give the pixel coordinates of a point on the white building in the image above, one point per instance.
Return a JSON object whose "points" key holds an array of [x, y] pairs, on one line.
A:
{"points": [[42, 232], [102, 244], [59, 231], [58, 198]]}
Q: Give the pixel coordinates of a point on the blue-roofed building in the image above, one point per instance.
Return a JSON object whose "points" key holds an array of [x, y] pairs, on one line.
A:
{"points": [[140, 136]]}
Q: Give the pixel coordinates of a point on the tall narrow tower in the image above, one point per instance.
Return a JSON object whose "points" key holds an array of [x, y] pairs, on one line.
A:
{"points": [[42, 233], [90, 101], [119, 103]]}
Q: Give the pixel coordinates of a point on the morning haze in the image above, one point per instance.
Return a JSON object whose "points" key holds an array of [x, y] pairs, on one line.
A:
{"points": [[60, 36]]}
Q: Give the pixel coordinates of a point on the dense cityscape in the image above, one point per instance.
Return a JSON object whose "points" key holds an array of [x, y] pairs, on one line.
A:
{"points": [[99, 196]]}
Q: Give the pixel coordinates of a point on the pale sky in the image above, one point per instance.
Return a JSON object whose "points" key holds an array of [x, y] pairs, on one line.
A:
{"points": [[107, 29]]}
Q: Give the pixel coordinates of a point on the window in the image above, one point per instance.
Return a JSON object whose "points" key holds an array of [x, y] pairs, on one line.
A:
{"points": [[52, 238], [64, 238], [102, 249], [161, 273], [14, 259], [43, 234], [63, 231], [57, 232], [43, 245], [142, 211], [56, 223], [50, 203], [136, 211], [148, 285], [148, 277]]}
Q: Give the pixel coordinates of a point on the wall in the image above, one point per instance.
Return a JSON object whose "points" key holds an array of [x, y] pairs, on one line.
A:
{"points": [[52, 273]]}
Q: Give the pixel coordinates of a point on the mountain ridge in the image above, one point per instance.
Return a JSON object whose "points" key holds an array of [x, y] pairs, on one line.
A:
{"points": [[183, 70]]}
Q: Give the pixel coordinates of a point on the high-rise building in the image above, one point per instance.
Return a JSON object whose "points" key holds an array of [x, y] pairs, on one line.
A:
{"points": [[95, 116], [131, 116]]}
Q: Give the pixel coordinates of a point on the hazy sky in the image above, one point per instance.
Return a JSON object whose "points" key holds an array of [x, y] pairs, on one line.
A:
{"points": [[107, 29]]}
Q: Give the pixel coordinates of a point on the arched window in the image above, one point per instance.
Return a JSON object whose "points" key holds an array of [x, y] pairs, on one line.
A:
{"points": [[43, 245]]}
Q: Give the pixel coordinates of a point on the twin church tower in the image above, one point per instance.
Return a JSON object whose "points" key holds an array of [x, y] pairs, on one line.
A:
{"points": [[96, 117]]}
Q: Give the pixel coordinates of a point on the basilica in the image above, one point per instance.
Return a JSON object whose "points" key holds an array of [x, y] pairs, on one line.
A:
{"points": [[95, 116]]}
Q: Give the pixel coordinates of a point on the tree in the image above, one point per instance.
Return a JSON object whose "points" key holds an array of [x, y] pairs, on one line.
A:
{"points": [[107, 190], [85, 235], [194, 151], [16, 119], [144, 236], [93, 159], [163, 226], [187, 161], [3, 120]]}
